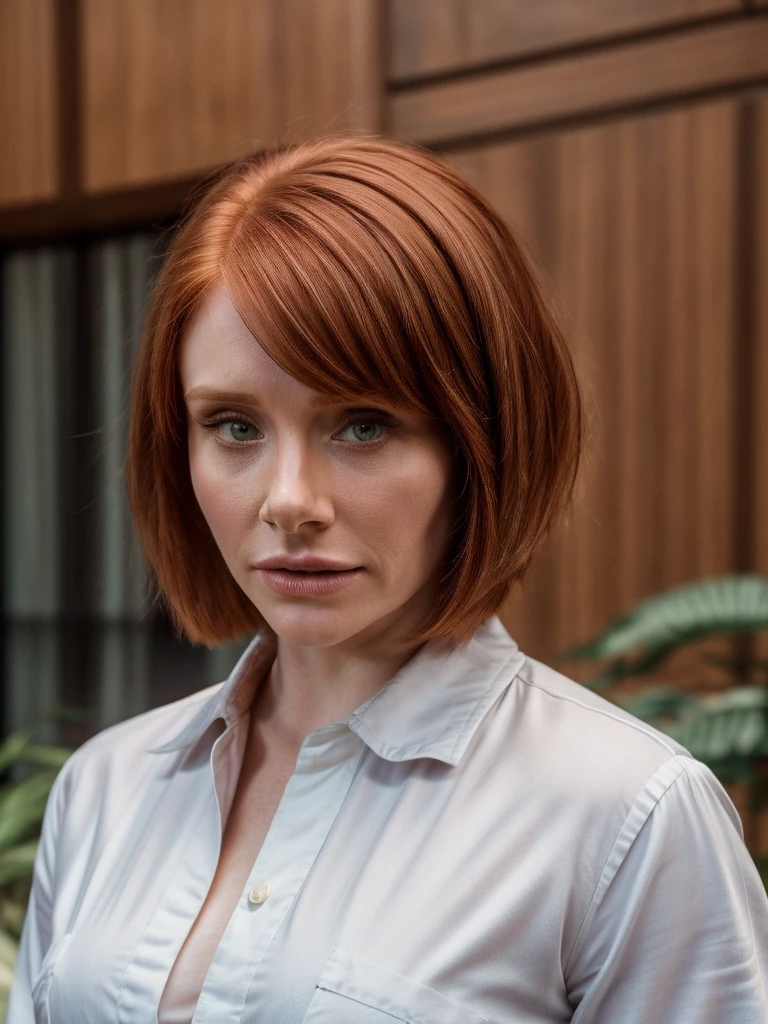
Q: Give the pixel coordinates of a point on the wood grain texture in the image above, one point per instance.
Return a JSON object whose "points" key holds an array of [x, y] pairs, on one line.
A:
{"points": [[704, 59], [28, 164], [438, 36], [172, 87], [760, 297], [634, 226]]}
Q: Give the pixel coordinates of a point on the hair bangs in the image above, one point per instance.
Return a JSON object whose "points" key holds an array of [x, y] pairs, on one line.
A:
{"points": [[324, 304]]}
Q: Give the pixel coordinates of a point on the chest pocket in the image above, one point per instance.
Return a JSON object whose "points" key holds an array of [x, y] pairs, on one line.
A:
{"points": [[42, 986], [352, 991]]}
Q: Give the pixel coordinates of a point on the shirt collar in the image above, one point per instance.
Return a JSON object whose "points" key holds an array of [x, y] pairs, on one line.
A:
{"points": [[431, 707]]}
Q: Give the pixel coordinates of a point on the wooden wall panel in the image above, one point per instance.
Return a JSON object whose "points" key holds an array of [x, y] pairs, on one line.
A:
{"points": [[173, 87], [715, 57], [28, 163], [759, 277], [437, 36], [330, 74], [634, 224]]}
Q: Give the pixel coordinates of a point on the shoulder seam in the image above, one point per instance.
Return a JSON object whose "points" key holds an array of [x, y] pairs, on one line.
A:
{"points": [[598, 711], [602, 885]]}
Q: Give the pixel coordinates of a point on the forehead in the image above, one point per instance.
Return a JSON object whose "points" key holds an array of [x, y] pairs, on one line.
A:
{"points": [[217, 332], [218, 352]]}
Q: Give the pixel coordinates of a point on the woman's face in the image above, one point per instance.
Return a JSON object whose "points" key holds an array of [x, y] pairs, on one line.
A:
{"points": [[281, 471]]}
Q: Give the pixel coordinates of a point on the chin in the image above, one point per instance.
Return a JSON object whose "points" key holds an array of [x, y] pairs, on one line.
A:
{"points": [[300, 624]]}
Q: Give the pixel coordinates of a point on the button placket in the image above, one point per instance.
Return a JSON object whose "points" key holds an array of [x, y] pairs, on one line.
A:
{"points": [[237, 959]]}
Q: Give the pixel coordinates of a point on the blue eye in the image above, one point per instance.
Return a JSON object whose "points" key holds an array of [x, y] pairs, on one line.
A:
{"points": [[366, 430], [237, 430]]}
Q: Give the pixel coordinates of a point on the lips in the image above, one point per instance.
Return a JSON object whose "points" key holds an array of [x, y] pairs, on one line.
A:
{"points": [[305, 572], [313, 583], [304, 563]]}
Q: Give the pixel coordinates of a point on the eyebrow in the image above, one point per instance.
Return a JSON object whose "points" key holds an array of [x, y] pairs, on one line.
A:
{"points": [[320, 401]]}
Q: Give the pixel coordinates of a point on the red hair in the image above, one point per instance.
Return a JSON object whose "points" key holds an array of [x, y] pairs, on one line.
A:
{"points": [[365, 266]]}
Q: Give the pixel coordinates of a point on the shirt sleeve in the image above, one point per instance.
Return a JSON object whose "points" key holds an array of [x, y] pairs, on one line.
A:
{"points": [[37, 932], [677, 931]]}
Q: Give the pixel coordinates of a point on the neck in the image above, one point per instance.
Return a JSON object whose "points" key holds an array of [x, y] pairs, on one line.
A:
{"points": [[309, 687]]}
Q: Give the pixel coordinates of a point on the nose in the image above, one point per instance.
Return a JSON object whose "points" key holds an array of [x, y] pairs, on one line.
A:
{"points": [[297, 490]]}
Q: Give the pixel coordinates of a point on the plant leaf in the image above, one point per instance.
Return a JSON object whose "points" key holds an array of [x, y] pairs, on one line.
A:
{"points": [[732, 769], [724, 725], [13, 911], [739, 666], [47, 756], [22, 805], [661, 624], [659, 702], [18, 861], [13, 747], [9, 950]]}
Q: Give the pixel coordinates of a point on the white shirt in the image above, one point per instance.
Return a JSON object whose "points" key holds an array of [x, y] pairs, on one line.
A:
{"points": [[483, 840]]}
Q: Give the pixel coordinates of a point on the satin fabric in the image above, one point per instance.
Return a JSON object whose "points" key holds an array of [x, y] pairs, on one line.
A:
{"points": [[483, 840]]}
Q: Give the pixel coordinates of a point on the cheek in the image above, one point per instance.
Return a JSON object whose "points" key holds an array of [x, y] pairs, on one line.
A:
{"points": [[410, 514], [221, 501]]}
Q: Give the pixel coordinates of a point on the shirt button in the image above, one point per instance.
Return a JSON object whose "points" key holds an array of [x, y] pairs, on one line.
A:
{"points": [[258, 893]]}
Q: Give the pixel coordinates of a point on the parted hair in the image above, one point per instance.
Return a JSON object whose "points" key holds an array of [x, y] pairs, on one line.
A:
{"points": [[365, 266]]}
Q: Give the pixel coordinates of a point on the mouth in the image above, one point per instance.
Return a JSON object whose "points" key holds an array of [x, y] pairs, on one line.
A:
{"points": [[308, 582], [311, 572]]}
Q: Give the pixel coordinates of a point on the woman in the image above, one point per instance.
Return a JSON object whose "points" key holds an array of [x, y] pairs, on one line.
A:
{"points": [[353, 424]]}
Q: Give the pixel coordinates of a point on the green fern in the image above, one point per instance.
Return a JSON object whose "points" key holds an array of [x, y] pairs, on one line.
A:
{"points": [[22, 805], [726, 605], [726, 731]]}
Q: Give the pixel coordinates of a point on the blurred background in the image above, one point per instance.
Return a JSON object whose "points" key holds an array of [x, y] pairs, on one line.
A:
{"points": [[626, 141]]}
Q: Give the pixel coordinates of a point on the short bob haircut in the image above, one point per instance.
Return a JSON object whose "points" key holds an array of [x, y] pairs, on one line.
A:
{"points": [[365, 267]]}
